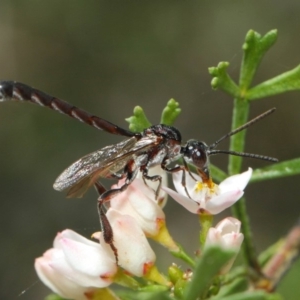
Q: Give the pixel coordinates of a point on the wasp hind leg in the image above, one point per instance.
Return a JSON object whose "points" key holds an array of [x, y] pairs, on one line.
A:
{"points": [[104, 223], [105, 196]]}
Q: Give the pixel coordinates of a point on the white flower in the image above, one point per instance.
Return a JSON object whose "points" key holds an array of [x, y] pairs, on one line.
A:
{"points": [[134, 252], [208, 197], [76, 266], [138, 201], [226, 234]]}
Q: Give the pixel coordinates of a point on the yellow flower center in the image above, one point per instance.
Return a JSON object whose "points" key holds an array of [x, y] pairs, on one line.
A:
{"points": [[209, 188]]}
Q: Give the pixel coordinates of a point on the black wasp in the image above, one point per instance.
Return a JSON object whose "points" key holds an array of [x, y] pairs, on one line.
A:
{"points": [[156, 145]]}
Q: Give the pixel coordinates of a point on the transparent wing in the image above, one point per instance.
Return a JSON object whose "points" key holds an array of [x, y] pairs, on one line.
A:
{"points": [[83, 173]]}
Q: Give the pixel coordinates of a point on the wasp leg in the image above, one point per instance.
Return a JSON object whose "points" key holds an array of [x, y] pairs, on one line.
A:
{"points": [[131, 171], [188, 169], [104, 223], [107, 230], [105, 196], [99, 188], [152, 178], [178, 168]]}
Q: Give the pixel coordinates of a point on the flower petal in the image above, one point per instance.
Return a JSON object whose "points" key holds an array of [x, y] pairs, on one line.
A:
{"points": [[238, 181], [219, 203], [233, 240], [186, 202], [227, 235], [189, 183], [134, 251], [76, 266], [138, 201], [58, 282], [70, 234], [229, 225], [95, 265]]}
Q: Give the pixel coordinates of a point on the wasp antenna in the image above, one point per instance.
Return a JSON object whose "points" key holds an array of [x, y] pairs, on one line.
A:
{"points": [[246, 125], [243, 154]]}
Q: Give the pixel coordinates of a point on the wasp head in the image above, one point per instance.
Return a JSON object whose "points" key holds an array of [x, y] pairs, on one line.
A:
{"points": [[196, 153]]}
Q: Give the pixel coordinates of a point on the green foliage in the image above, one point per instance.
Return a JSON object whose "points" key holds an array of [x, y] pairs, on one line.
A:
{"points": [[254, 295], [208, 266], [238, 285], [138, 122], [255, 47], [222, 80], [170, 113], [285, 82], [282, 169], [150, 292], [54, 297]]}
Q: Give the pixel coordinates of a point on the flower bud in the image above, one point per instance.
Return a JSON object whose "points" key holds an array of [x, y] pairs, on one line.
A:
{"points": [[76, 266]]}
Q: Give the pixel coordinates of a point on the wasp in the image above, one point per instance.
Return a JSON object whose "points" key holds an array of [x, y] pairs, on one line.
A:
{"points": [[157, 145]]}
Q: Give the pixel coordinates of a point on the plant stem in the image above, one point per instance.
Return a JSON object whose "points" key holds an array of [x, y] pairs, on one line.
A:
{"points": [[237, 143], [205, 222]]}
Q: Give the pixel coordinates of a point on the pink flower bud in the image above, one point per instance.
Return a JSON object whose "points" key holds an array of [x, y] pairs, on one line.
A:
{"points": [[134, 252], [138, 201], [226, 234], [76, 266]]}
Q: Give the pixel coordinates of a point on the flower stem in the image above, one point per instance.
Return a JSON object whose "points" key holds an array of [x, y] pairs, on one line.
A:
{"points": [[126, 280], [205, 222], [239, 211], [180, 253], [104, 293], [154, 275]]}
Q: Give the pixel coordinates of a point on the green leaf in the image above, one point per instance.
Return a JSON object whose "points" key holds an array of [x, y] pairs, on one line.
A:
{"points": [[221, 80], [175, 273], [54, 297], [282, 169], [288, 81], [251, 295], [138, 122], [255, 47], [180, 287], [170, 112], [237, 286], [103, 293], [151, 292], [208, 266]]}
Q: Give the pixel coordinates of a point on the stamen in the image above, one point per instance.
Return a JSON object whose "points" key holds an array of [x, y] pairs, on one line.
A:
{"points": [[209, 188]]}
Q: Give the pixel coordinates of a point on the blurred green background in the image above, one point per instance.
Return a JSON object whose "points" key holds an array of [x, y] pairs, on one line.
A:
{"points": [[107, 57]]}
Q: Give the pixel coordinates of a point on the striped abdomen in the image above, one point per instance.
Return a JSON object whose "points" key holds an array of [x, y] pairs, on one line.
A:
{"points": [[12, 90]]}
